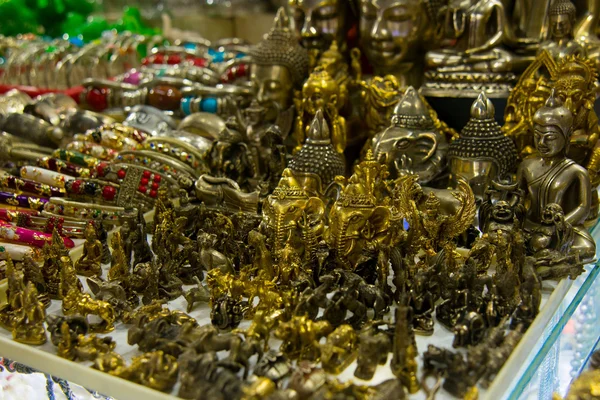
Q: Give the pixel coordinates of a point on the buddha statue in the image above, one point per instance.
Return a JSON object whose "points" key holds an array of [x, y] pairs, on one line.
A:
{"points": [[394, 34], [317, 156], [482, 53], [321, 92], [279, 65], [319, 23], [481, 153], [562, 20], [411, 144], [552, 177], [575, 80]]}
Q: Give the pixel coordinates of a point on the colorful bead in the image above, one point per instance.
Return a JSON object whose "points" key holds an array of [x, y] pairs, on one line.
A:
{"points": [[109, 193], [186, 103], [121, 174], [209, 104], [153, 193], [165, 97], [142, 189], [96, 99]]}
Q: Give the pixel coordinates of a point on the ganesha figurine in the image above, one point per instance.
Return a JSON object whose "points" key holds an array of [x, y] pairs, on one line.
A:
{"points": [[412, 144]]}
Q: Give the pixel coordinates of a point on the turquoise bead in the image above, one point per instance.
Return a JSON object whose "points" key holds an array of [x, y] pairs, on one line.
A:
{"points": [[209, 105]]}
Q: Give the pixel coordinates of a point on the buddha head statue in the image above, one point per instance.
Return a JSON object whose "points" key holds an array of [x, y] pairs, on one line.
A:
{"points": [[279, 65], [562, 16], [320, 22], [394, 31], [319, 91], [575, 83], [411, 141], [553, 125]]}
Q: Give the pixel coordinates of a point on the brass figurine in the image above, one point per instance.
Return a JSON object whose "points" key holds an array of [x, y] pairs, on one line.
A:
{"points": [[481, 153], [317, 156], [90, 262], [554, 178], [412, 144], [28, 325], [321, 92], [561, 19], [279, 64]]}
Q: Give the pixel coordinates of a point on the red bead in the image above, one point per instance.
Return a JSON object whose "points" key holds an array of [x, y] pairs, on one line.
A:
{"points": [[153, 193], [174, 59], [241, 70], [109, 193], [75, 186], [101, 169], [230, 74], [144, 182], [96, 99], [121, 174], [157, 178], [199, 62], [146, 174], [155, 186], [142, 188]]}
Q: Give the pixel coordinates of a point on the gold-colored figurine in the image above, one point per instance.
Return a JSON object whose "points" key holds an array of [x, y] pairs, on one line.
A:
{"points": [[119, 269], [321, 92], [29, 321], [90, 262], [76, 302], [339, 350], [68, 277]]}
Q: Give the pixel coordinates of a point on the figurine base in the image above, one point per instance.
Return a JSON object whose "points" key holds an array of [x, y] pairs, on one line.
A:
{"points": [[456, 112], [468, 84]]}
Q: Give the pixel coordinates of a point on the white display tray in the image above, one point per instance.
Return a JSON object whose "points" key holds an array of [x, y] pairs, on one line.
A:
{"points": [[44, 357]]}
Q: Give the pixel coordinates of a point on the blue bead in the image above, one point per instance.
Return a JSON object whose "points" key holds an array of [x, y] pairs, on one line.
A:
{"points": [[240, 55], [191, 46], [219, 57], [186, 105], [209, 105], [212, 52]]}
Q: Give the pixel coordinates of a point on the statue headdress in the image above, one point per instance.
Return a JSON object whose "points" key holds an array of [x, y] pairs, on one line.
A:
{"points": [[317, 155], [482, 138], [563, 7], [555, 114], [410, 112], [280, 47]]}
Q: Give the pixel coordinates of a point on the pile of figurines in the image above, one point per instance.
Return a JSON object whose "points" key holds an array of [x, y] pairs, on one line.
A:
{"points": [[323, 218]]}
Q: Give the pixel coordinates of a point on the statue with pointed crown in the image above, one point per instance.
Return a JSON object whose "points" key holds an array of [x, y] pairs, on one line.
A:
{"points": [[481, 153], [552, 177], [411, 144], [575, 80], [321, 92], [360, 208], [317, 156], [291, 215], [279, 65]]}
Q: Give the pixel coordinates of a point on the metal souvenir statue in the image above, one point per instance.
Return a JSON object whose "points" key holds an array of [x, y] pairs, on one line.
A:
{"points": [[481, 55], [562, 16], [90, 262], [317, 156], [279, 64], [412, 144], [321, 92], [554, 178], [481, 153], [322, 22], [394, 34]]}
